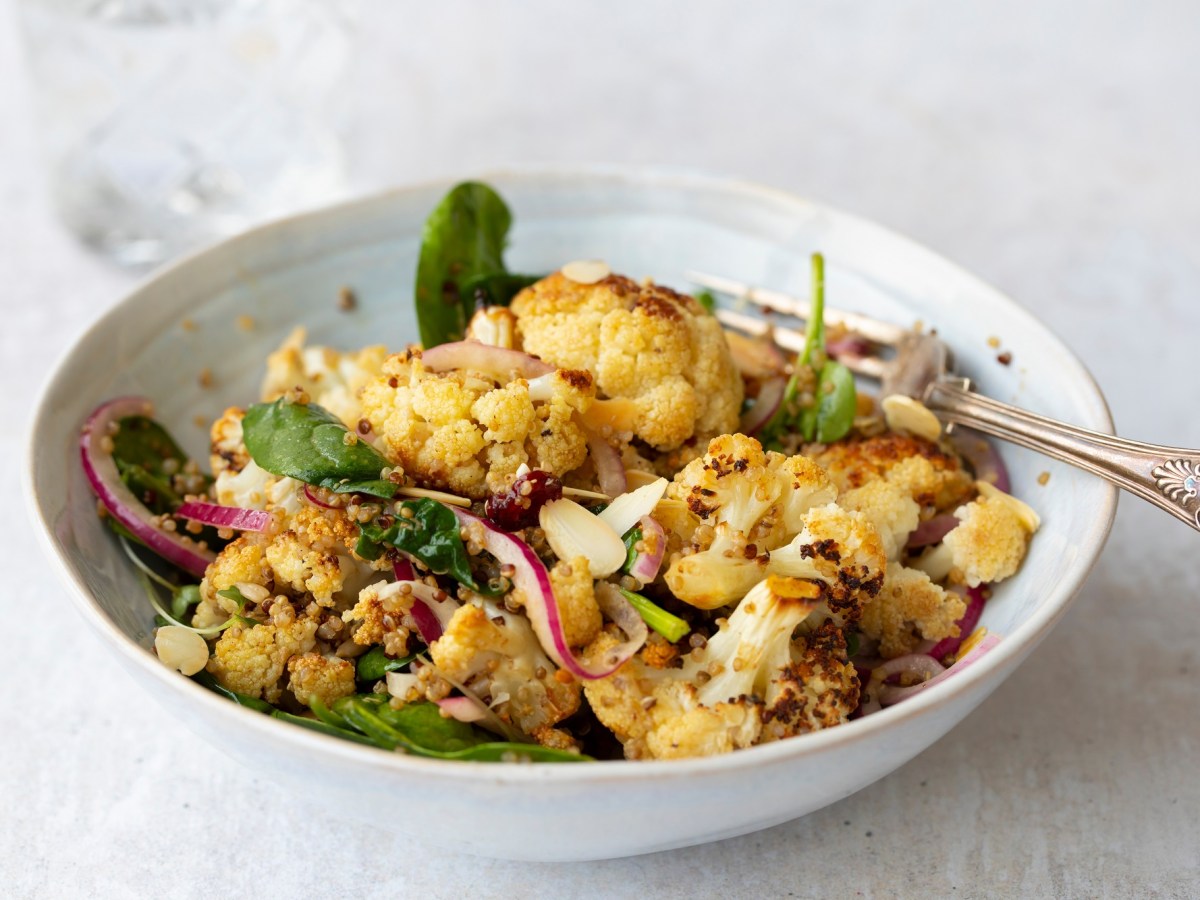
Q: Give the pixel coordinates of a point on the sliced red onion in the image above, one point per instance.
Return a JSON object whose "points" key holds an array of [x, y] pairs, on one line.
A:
{"points": [[610, 470], [770, 395], [984, 459], [849, 345], [533, 581], [431, 608], [932, 531], [647, 563], [462, 708], [892, 693], [966, 625], [499, 362], [621, 611], [225, 516], [428, 625], [755, 357], [101, 471], [311, 496], [403, 570]]}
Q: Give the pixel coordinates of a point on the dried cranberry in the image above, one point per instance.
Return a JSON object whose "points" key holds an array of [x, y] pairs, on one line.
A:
{"points": [[518, 507]]}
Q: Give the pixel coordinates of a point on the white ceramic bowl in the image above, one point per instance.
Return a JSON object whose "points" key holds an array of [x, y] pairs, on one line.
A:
{"points": [[645, 223]]}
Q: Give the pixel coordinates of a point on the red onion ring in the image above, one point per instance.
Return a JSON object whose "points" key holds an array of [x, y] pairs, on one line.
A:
{"points": [[966, 625], [932, 531], [610, 470], [984, 459], [533, 581], [403, 570], [464, 709], [892, 693], [770, 396], [428, 625], [225, 516], [101, 471], [499, 362], [850, 345], [312, 498], [646, 564]]}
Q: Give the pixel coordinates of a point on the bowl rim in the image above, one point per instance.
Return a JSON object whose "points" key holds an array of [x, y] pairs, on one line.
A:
{"points": [[922, 706]]}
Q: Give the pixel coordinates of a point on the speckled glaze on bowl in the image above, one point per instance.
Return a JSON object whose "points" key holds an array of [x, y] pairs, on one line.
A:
{"points": [[645, 223]]}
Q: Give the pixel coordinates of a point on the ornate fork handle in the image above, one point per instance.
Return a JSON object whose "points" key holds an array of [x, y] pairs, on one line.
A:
{"points": [[1168, 477]]}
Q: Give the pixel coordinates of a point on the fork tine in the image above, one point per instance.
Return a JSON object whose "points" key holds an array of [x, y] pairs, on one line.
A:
{"points": [[871, 329], [790, 339]]}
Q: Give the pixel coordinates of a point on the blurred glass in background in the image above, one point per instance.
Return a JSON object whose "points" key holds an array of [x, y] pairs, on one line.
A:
{"points": [[168, 123]]}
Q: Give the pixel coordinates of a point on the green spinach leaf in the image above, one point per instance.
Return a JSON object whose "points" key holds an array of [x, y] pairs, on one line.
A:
{"points": [[420, 729], [374, 664], [307, 442], [831, 414], [146, 456], [463, 241], [430, 533], [495, 288], [838, 403], [630, 539]]}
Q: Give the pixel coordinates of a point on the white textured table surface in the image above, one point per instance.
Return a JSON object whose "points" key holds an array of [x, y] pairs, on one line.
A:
{"points": [[1050, 146]]}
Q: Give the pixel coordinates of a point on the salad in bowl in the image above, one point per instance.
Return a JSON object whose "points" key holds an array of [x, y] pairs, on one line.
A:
{"points": [[580, 520]]}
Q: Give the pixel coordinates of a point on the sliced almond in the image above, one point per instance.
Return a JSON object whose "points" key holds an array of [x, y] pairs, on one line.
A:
{"points": [[1024, 512], [625, 511], [181, 649], [586, 271], [909, 416], [572, 532]]}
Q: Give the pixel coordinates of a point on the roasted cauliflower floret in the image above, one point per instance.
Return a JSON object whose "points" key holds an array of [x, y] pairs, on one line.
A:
{"points": [[750, 503], [818, 688], [382, 616], [461, 432], [252, 660], [659, 359], [331, 379], [495, 653], [932, 477], [989, 542], [325, 677], [751, 682], [656, 715], [575, 592], [839, 551], [889, 508], [908, 610], [227, 449], [313, 555]]}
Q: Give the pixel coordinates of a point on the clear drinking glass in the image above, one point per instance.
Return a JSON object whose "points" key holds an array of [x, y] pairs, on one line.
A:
{"points": [[168, 123]]}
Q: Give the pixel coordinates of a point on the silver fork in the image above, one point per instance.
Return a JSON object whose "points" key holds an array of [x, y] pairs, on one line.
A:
{"points": [[922, 368]]}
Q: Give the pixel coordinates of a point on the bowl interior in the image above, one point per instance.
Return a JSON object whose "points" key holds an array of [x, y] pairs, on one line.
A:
{"points": [[225, 309]]}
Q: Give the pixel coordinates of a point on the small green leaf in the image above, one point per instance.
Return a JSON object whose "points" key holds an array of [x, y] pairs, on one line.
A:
{"points": [[463, 241], [374, 664], [307, 442], [495, 288], [707, 301], [630, 539], [838, 403], [431, 534], [184, 599]]}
